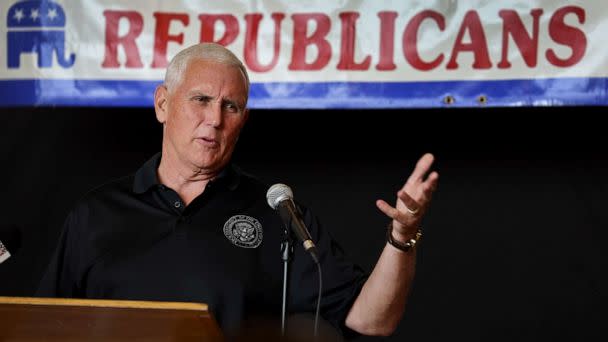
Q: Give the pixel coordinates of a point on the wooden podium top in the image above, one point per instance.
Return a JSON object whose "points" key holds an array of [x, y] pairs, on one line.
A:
{"points": [[55, 319]]}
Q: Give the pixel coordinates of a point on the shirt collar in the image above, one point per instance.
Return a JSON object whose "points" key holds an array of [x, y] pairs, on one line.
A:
{"points": [[147, 177]]}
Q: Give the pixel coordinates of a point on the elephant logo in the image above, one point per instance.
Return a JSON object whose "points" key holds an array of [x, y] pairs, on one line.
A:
{"points": [[37, 27]]}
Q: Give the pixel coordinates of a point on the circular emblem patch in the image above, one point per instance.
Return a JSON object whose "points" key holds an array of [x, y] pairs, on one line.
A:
{"points": [[243, 231]]}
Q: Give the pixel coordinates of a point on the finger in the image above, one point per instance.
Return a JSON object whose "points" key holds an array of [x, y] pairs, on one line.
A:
{"points": [[422, 167], [390, 211], [430, 184], [411, 204], [428, 188]]}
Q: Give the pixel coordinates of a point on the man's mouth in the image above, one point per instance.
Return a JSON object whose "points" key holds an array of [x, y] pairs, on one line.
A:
{"points": [[207, 141]]}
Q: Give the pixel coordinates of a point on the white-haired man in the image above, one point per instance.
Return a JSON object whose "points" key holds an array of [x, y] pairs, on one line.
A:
{"points": [[190, 226]]}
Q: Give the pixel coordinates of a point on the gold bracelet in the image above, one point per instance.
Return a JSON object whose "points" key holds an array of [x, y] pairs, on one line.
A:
{"points": [[411, 243]]}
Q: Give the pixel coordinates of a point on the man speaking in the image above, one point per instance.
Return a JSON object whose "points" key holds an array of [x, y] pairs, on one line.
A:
{"points": [[190, 226]]}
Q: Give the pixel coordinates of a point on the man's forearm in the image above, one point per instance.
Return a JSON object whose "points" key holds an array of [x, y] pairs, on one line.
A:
{"points": [[380, 305]]}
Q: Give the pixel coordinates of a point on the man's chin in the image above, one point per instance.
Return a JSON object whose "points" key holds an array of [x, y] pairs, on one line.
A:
{"points": [[210, 165]]}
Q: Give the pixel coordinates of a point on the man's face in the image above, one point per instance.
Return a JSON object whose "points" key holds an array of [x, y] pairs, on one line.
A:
{"points": [[203, 115]]}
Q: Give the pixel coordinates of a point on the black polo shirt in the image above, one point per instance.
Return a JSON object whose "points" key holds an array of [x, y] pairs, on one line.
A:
{"points": [[134, 239]]}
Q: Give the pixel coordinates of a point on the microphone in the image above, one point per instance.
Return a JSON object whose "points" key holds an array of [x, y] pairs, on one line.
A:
{"points": [[280, 198], [10, 241]]}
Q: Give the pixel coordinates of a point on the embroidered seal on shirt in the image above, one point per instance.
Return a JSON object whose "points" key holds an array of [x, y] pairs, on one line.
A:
{"points": [[243, 231]]}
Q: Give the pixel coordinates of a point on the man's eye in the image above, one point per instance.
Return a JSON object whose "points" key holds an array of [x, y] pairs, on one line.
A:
{"points": [[202, 99], [231, 107]]}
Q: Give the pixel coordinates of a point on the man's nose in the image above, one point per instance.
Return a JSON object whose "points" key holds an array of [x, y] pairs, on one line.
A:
{"points": [[213, 117]]}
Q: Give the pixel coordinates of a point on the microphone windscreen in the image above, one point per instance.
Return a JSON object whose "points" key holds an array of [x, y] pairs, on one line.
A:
{"points": [[277, 193]]}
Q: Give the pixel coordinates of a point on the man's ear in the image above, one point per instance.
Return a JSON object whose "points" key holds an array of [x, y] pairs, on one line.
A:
{"points": [[160, 103]]}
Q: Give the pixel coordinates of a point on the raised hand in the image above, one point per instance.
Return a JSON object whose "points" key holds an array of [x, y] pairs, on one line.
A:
{"points": [[413, 199]]}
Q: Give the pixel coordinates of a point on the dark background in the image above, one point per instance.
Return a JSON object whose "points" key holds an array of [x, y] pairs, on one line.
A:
{"points": [[513, 244]]}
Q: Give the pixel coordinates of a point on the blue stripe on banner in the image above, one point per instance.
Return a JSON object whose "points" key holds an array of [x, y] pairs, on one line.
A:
{"points": [[540, 92]]}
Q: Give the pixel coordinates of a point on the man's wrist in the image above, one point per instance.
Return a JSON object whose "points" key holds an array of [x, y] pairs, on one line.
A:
{"points": [[404, 242]]}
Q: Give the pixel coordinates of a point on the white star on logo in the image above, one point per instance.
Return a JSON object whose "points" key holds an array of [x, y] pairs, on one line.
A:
{"points": [[18, 14], [52, 14], [34, 14]]}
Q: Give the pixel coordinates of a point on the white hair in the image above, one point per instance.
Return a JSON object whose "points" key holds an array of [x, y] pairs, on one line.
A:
{"points": [[203, 51]]}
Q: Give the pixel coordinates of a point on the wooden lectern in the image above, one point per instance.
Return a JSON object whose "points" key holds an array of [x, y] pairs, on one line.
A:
{"points": [[53, 319]]}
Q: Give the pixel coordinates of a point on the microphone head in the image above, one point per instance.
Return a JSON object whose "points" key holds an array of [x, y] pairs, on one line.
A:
{"points": [[278, 193]]}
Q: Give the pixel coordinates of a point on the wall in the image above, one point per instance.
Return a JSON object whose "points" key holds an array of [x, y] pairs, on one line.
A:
{"points": [[513, 241]]}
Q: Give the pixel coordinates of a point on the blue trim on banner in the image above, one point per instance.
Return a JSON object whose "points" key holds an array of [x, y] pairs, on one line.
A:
{"points": [[528, 92]]}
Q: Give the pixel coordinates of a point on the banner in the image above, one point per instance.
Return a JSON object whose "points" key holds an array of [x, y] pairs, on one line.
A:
{"points": [[312, 54]]}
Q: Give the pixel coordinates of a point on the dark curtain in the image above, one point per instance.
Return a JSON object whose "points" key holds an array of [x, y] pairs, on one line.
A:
{"points": [[512, 246]]}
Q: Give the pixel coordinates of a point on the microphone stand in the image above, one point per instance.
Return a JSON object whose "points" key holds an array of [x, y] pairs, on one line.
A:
{"points": [[286, 254]]}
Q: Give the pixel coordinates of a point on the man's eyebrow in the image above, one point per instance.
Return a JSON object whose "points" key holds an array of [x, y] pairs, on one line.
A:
{"points": [[225, 100], [232, 101], [196, 93]]}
